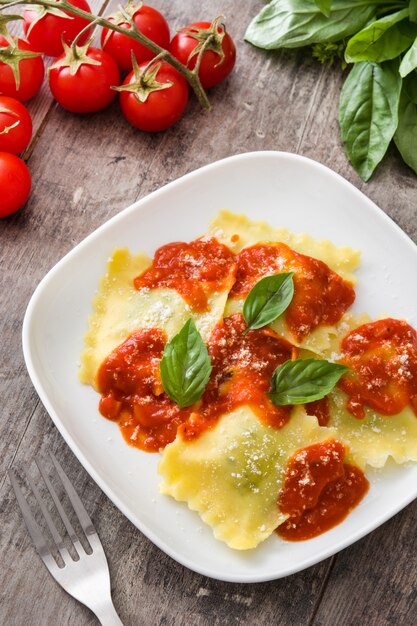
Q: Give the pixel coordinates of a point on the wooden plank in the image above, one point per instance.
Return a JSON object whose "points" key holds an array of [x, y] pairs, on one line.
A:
{"points": [[87, 168], [393, 185], [373, 582]]}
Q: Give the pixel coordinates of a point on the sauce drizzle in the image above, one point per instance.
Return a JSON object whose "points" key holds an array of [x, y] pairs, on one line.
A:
{"points": [[132, 392], [320, 295], [319, 491], [196, 270], [319, 408], [382, 356], [242, 370]]}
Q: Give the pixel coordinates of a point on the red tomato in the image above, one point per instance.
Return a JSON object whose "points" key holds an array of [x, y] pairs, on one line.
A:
{"points": [[15, 183], [31, 72], [45, 31], [15, 126], [89, 89], [212, 69], [150, 22], [163, 107]]}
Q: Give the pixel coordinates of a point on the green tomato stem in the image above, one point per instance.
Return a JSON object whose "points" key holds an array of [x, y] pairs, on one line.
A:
{"points": [[9, 5], [158, 57], [92, 25]]}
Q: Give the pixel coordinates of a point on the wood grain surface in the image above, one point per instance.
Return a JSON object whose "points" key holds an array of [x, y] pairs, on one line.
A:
{"points": [[85, 169]]}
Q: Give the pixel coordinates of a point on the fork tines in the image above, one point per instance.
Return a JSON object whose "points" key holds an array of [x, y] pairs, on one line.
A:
{"points": [[34, 529]]}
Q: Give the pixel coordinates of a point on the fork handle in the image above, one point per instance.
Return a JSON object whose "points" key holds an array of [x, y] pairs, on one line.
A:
{"points": [[107, 614]]}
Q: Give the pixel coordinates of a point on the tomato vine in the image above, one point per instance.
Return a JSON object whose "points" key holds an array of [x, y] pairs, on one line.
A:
{"points": [[191, 75]]}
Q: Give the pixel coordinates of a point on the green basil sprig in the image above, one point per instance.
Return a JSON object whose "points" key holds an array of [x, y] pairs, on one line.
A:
{"points": [[406, 134], [409, 60], [412, 6], [368, 113], [304, 380], [382, 40], [185, 366], [325, 6], [296, 23], [383, 48], [268, 299]]}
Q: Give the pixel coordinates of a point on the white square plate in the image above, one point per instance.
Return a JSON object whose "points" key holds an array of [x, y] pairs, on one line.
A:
{"points": [[286, 190]]}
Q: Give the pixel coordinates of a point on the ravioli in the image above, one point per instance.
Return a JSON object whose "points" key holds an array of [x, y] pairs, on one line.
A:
{"points": [[119, 309], [375, 438], [323, 276], [227, 455], [232, 474], [238, 232], [348, 323], [114, 314], [322, 341]]}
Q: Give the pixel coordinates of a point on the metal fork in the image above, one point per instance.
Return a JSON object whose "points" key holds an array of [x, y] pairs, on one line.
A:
{"points": [[86, 579]]}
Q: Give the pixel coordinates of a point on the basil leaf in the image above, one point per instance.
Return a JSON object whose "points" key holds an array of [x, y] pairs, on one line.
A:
{"points": [[413, 10], [368, 113], [406, 134], [268, 299], [304, 380], [185, 366], [382, 40], [324, 6], [295, 23], [410, 87], [409, 61]]}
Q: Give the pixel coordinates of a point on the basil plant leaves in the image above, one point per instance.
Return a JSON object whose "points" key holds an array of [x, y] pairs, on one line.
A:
{"points": [[268, 299], [304, 380], [185, 366], [380, 40]]}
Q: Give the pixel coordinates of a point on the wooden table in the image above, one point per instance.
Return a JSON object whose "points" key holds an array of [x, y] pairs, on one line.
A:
{"points": [[86, 169]]}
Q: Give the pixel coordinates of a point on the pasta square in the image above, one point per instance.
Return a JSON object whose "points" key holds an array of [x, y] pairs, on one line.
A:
{"points": [[232, 475]]}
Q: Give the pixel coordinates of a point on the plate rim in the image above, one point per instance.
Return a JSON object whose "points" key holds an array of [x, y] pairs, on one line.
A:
{"points": [[143, 528]]}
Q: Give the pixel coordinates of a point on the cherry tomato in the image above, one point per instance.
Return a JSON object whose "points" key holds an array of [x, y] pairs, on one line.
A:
{"points": [[150, 22], [212, 69], [15, 183], [15, 126], [163, 107], [89, 89], [44, 29], [31, 72]]}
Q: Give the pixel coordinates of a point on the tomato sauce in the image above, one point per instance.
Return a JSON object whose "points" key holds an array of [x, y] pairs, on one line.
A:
{"points": [[382, 357], [242, 370], [196, 270], [320, 487], [320, 295], [132, 392], [133, 396], [319, 490], [319, 408]]}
